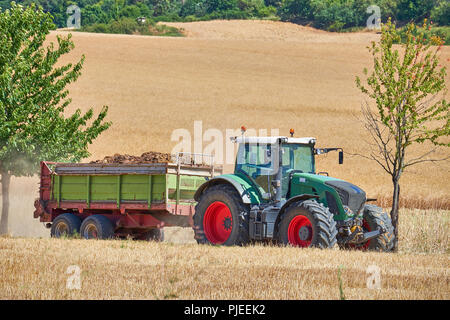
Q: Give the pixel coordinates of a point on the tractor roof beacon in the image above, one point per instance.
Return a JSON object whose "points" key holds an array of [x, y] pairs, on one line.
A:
{"points": [[275, 194]]}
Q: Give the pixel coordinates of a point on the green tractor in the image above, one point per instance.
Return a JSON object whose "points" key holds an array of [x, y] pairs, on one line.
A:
{"points": [[276, 195]]}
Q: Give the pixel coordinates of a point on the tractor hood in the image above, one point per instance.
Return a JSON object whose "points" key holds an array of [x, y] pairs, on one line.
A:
{"points": [[351, 195]]}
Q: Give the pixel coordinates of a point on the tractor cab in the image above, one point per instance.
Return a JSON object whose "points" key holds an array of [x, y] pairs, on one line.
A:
{"points": [[270, 162], [262, 159]]}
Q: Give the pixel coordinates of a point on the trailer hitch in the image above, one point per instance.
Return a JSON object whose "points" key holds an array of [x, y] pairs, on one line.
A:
{"points": [[372, 234], [358, 236]]}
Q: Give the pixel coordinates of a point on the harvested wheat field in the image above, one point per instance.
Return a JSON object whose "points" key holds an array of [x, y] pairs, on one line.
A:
{"points": [[181, 269]]}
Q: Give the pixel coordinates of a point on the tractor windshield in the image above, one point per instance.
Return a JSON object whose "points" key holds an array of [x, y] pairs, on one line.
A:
{"points": [[298, 157], [295, 158]]}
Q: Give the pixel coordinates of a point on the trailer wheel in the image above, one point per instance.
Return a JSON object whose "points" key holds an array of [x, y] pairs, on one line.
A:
{"points": [[97, 227], [374, 217], [221, 217], [152, 235], [307, 224], [66, 224]]}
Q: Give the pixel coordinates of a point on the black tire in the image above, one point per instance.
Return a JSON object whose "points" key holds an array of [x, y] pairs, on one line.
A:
{"points": [[225, 194], [320, 234], [97, 227], [152, 235], [66, 224], [375, 217]]}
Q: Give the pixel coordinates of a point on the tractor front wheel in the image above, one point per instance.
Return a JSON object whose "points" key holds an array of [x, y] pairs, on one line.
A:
{"points": [[373, 218], [220, 217], [307, 224]]}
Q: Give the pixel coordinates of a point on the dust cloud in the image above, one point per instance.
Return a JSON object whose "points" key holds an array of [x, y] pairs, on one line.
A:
{"points": [[22, 193]]}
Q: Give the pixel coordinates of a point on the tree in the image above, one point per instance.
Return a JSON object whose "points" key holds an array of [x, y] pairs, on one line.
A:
{"points": [[34, 98], [408, 87]]}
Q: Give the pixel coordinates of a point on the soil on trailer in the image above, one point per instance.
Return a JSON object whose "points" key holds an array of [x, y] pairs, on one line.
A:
{"points": [[146, 157]]}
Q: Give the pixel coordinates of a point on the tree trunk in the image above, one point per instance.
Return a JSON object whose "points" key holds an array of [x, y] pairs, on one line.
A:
{"points": [[394, 212], [6, 179]]}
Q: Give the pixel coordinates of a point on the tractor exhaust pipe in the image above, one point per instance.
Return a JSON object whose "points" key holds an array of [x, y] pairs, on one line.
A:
{"points": [[279, 176]]}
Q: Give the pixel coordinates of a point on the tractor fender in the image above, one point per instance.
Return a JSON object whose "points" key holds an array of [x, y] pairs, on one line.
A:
{"points": [[223, 180], [301, 197]]}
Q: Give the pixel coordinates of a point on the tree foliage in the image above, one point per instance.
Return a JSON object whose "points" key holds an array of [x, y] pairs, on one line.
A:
{"points": [[33, 96], [340, 14], [333, 15]]}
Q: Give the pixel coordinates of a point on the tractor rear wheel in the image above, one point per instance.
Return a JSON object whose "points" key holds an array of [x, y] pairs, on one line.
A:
{"points": [[373, 218], [97, 227], [221, 217], [307, 224], [66, 224]]}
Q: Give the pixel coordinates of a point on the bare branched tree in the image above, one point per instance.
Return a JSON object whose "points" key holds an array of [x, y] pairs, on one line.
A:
{"points": [[409, 91]]}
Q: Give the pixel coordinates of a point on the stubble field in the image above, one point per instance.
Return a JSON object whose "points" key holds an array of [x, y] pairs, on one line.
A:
{"points": [[180, 269]]}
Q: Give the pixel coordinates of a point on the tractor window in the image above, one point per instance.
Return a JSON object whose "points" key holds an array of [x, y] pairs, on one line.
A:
{"points": [[298, 157], [257, 161]]}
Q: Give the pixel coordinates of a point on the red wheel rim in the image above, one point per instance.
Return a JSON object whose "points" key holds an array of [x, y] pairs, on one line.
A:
{"points": [[300, 232], [217, 222]]}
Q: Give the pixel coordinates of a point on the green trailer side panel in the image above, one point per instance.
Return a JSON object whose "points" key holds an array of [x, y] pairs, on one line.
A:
{"points": [[188, 186], [72, 187], [134, 187], [113, 188]]}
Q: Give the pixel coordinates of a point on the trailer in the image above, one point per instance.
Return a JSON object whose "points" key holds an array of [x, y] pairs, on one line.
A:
{"points": [[119, 200]]}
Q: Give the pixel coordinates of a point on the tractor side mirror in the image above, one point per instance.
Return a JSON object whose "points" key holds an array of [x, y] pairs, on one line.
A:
{"points": [[341, 157]]}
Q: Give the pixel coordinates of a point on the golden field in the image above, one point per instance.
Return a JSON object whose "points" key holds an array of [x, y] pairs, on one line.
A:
{"points": [[178, 269], [261, 74]]}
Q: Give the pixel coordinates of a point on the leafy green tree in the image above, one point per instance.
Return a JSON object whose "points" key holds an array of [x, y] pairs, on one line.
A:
{"points": [[34, 98], [295, 10], [193, 8], [441, 13], [415, 10], [220, 5], [408, 86]]}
